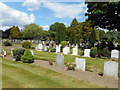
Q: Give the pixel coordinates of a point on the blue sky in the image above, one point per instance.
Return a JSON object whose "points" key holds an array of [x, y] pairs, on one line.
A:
{"points": [[42, 13]]}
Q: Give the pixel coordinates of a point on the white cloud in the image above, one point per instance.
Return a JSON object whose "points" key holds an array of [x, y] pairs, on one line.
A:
{"points": [[32, 4], [10, 16], [65, 10], [46, 27]]}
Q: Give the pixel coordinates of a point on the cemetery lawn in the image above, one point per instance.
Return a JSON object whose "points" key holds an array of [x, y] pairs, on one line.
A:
{"points": [[92, 64], [23, 75]]}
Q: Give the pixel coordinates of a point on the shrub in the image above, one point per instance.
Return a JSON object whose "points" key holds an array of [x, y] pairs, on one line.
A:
{"points": [[7, 43], [64, 43], [26, 44], [102, 45], [32, 47], [110, 45], [81, 52], [105, 52], [27, 57], [52, 49], [17, 53], [93, 51]]}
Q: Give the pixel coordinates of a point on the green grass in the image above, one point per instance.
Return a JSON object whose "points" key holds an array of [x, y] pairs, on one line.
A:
{"points": [[22, 75]]}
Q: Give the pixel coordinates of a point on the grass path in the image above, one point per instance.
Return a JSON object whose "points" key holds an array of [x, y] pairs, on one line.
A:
{"points": [[20, 75]]}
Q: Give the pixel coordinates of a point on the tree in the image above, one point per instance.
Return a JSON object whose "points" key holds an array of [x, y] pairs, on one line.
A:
{"points": [[104, 14], [60, 34], [32, 31], [86, 30], [92, 37], [101, 34], [72, 31], [113, 35], [14, 33]]}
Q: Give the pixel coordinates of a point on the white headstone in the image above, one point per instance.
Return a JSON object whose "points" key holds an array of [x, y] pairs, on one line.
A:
{"points": [[80, 64], [87, 53], [12, 51], [40, 47], [75, 51], [32, 52], [115, 54], [58, 48], [65, 50], [111, 68], [60, 59], [37, 47], [68, 49], [45, 48]]}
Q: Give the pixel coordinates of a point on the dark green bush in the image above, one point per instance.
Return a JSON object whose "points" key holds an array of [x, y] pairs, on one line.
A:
{"points": [[26, 44], [17, 53], [102, 45], [110, 45], [105, 52], [93, 51], [32, 47], [27, 57], [7, 43], [52, 49]]}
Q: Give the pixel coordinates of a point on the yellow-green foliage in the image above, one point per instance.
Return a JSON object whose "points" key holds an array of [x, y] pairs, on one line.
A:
{"points": [[64, 43], [26, 44]]}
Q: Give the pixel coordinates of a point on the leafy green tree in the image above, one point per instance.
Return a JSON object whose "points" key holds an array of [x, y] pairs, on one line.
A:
{"points": [[32, 31], [60, 34], [113, 35], [72, 31], [101, 34], [92, 37], [86, 30], [14, 33], [104, 14]]}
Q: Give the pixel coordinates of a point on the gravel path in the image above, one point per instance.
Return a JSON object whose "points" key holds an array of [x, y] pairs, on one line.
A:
{"points": [[87, 76]]}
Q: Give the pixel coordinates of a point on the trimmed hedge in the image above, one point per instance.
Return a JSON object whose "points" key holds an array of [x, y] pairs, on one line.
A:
{"points": [[7, 43], [93, 51], [27, 57], [17, 53]]}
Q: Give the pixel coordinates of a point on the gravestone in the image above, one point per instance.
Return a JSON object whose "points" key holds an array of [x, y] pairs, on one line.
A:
{"points": [[40, 47], [12, 51], [37, 47], [87, 53], [58, 48], [75, 51], [111, 68], [45, 48], [80, 64], [115, 54], [64, 50], [68, 49], [32, 52], [59, 59]]}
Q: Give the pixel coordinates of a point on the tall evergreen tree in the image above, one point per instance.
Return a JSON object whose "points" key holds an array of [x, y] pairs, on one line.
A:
{"points": [[60, 34], [92, 37], [72, 30], [14, 33]]}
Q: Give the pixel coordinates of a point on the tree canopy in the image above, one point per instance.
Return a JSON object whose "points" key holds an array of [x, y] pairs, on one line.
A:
{"points": [[104, 14]]}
